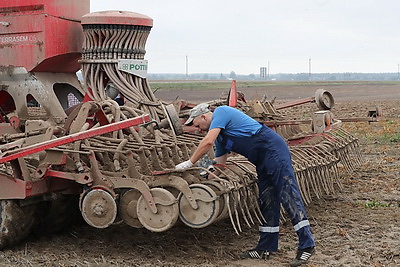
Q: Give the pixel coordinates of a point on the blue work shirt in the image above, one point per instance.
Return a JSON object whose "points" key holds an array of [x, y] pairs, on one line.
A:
{"points": [[232, 122]]}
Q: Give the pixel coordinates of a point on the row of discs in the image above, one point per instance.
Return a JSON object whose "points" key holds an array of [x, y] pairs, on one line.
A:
{"points": [[135, 211], [99, 208]]}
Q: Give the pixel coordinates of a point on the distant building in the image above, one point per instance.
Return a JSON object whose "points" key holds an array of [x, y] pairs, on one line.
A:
{"points": [[263, 73]]}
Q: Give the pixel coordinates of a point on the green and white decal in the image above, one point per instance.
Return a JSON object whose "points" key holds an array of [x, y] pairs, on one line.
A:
{"points": [[133, 66]]}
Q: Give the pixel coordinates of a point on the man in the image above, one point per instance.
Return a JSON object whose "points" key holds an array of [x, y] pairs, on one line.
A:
{"points": [[232, 130]]}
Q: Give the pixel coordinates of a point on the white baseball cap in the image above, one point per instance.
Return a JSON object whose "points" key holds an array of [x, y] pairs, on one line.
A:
{"points": [[198, 110]]}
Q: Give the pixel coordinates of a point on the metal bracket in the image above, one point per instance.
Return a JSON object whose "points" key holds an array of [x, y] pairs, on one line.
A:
{"points": [[139, 185]]}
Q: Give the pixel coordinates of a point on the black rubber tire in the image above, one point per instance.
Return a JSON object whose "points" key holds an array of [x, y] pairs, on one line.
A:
{"points": [[15, 222], [58, 215]]}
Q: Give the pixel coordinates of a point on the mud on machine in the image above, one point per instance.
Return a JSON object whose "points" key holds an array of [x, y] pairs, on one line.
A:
{"points": [[106, 148]]}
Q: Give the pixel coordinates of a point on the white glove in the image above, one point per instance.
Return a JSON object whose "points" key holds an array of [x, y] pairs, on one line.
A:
{"points": [[184, 165]]}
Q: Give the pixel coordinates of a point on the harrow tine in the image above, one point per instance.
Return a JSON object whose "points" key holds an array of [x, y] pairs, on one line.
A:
{"points": [[246, 208], [322, 178], [313, 184], [299, 172], [331, 183], [239, 192], [226, 196], [235, 209], [356, 153], [337, 177], [242, 202], [325, 177], [331, 166], [318, 169], [324, 170], [250, 198], [346, 160], [309, 170], [305, 188], [257, 210]]}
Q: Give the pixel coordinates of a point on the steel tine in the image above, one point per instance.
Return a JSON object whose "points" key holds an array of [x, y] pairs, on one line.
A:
{"points": [[257, 211], [235, 209], [253, 200], [248, 211], [226, 196], [248, 199], [324, 178], [306, 188], [241, 208], [337, 177]]}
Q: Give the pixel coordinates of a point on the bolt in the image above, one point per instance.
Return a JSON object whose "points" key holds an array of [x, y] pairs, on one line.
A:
{"points": [[98, 209]]}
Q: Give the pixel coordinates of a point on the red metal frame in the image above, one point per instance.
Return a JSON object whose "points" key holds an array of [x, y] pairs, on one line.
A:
{"points": [[35, 148], [19, 189], [13, 188], [42, 35], [233, 95], [295, 103]]}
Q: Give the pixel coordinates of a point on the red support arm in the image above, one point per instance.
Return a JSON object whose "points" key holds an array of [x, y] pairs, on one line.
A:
{"points": [[35, 148], [295, 103], [233, 95]]}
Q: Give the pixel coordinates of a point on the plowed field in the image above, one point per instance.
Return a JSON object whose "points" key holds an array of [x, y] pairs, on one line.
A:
{"points": [[357, 226]]}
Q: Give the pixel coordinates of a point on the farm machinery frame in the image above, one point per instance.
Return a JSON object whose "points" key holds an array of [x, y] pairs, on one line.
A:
{"points": [[107, 148]]}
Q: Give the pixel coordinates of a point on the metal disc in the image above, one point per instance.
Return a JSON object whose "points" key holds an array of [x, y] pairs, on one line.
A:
{"points": [[324, 99], [173, 119], [207, 211], [128, 208], [167, 211], [99, 208], [219, 188]]}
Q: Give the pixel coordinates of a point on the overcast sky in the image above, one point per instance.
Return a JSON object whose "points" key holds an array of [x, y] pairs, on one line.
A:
{"points": [[220, 36]]}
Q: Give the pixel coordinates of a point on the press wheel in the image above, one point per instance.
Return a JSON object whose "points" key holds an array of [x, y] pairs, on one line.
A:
{"points": [[208, 207], [173, 119], [167, 211], [98, 208], [219, 189], [128, 208], [324, 99]]}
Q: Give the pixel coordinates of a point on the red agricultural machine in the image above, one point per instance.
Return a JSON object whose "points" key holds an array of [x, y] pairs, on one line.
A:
{"points": [[106, 148]]}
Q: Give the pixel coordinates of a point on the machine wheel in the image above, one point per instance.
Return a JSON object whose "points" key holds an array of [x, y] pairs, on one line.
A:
{"points": [[208, 207], [324, 99], [98, 208], [167, 211], [223, 207], [173, 119], [15, 222], [128, 208]]}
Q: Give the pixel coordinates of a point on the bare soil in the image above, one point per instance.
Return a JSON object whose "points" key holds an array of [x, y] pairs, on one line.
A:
{"points": [[357, 226]]}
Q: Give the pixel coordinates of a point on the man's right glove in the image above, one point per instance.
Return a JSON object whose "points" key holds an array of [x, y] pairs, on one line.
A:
{"points": [[184, 165]]}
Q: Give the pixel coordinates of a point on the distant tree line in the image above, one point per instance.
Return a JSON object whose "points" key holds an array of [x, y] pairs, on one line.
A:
{"points": [[347, 76]]}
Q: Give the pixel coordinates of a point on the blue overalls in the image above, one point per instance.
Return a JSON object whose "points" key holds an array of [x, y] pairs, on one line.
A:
{"points": [[276, 182]]}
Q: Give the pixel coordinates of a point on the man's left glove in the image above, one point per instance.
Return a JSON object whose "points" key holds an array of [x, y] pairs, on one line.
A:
{"points": [[184, 165]]}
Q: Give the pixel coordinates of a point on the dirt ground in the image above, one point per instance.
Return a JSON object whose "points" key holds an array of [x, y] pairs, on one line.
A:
{"points": [[357, 226]]}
